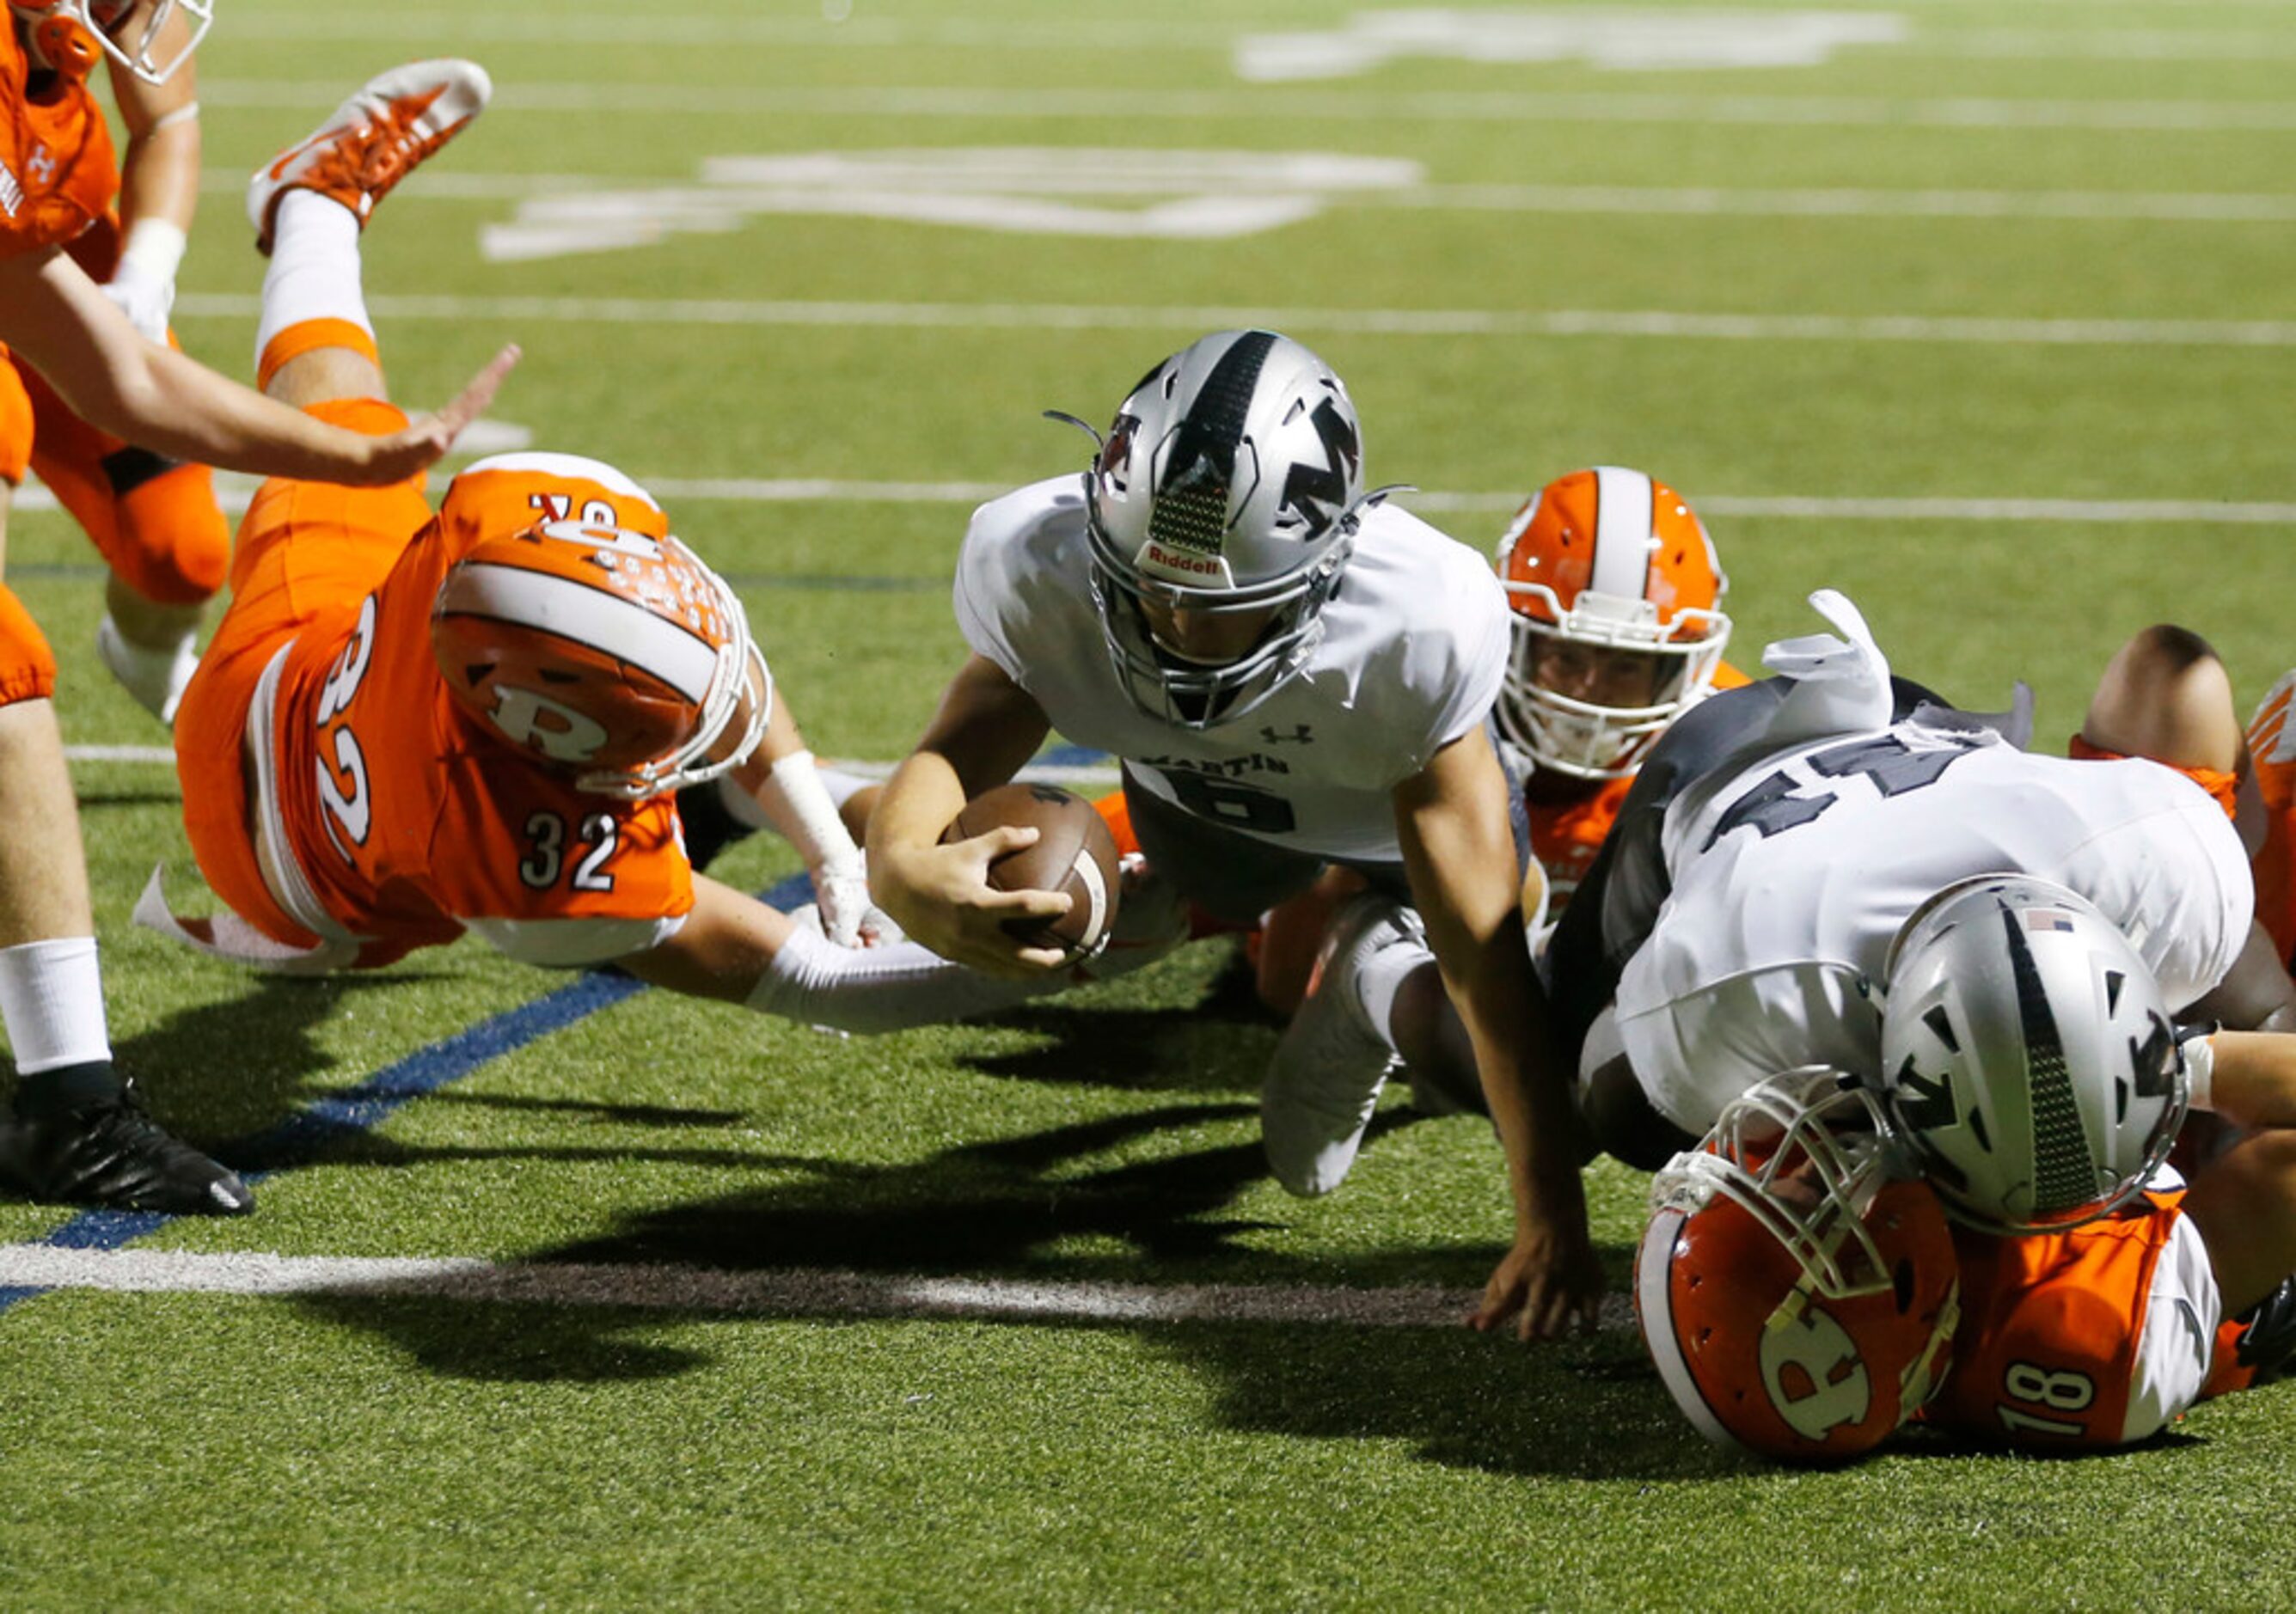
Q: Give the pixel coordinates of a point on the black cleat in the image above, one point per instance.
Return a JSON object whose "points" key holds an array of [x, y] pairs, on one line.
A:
{"points": [[103, 1148]]}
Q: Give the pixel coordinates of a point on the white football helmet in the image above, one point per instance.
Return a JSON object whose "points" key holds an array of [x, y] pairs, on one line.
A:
{"points": [[1227, 492], [2027, 1055], [58, 28]]}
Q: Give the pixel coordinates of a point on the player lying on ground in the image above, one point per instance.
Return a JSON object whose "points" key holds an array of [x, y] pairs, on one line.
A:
{"points": [[1804, 1295], [1844, 799], [1293, 673], [411, 724], [75, 1131]]}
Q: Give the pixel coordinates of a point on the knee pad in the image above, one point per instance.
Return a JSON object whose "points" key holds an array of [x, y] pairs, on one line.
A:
{"points": [[27, 667]]}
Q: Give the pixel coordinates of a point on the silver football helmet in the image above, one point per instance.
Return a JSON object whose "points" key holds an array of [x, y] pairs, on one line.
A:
{"points": [[1222, 507], [2027, 1055]]}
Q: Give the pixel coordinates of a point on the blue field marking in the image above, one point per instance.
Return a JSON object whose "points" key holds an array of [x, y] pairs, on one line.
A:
{"points": [[328, 1121], [1072, 755]]}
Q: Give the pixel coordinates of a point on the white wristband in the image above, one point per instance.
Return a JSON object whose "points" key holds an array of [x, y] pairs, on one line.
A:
{"points": [[2200, 1071], [797, 801], [153, 253], [185, 114]]}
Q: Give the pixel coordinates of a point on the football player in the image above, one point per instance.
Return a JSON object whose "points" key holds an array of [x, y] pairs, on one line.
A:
{"points": [[1616, 630], [153, 519], [1293, 673], [75, 1130], [1780, 836], [1804, 1295], [414, 723]]}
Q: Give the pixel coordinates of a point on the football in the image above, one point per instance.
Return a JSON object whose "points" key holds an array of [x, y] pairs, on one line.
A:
{"points": [[1074, 853]]}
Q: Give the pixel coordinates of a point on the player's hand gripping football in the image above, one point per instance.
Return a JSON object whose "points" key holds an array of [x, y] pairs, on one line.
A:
{"points": [[427, 436], [945, 902], [1550, 1283]]}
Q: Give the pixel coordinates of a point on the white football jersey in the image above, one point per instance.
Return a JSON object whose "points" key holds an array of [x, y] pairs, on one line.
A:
{"points": [[1413, 648], [1791, 875]]}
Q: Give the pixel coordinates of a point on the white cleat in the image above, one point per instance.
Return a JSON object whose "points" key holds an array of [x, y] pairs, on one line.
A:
{"points": [[1324, 1081], [375, 139], [157, 678]]}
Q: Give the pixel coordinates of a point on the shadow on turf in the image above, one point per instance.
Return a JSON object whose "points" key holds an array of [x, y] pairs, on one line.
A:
{"points": [[1005, 1206], [224, 1069], [1585, 1409]]}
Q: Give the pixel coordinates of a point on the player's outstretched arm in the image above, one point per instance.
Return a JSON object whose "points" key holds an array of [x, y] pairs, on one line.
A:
{"points": [[61, 321], [782, 779], [1452, 819], [987, 727]]}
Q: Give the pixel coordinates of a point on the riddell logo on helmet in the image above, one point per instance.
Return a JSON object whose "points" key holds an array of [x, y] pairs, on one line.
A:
{"points": [[1154, 556]]}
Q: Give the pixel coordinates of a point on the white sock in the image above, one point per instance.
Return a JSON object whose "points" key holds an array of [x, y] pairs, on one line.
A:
{"points": [[1381, 978], [51, 997], [315, 267], [889, 988]]}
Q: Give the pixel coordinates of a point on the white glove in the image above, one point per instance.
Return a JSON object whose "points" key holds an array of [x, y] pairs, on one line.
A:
{"points": [[143, 285]]}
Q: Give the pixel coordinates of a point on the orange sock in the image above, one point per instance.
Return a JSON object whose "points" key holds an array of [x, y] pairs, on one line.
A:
{"points": [[308, 336]]}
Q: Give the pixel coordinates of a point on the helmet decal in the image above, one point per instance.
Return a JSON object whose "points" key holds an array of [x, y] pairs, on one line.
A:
{"points": [[1194, 483], [2064, 1170], [1812, 1370], [1319, 492]]}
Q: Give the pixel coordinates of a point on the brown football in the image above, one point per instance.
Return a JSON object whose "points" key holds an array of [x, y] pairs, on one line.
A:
{"points": [[1074, 853]]}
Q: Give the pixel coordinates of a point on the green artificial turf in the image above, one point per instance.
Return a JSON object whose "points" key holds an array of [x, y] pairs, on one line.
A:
{"points": [[192, 1451]]}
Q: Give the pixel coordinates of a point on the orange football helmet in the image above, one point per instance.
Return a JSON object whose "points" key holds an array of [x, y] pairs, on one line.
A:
{"points": [[1797, 1288], [582, 631], [70, 36], [1618, 621]]}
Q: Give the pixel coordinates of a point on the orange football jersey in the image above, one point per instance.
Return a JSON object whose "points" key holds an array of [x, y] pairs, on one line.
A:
{"points": [[404, 817], [1566, 834], [2272, 762], [2051, 1325], [57, 171]]}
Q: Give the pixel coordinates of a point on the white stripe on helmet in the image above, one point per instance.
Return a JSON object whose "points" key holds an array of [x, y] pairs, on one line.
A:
{"points": [[1625, 512], [618, 628]]}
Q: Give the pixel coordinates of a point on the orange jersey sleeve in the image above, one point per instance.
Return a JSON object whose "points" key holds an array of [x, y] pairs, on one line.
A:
{"points": [[1566, 836], [57, 171], [2272, 764], [2052, 1323]]}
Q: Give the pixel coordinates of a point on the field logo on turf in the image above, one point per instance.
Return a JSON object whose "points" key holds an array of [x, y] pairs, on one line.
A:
{"points": [[1124, 195], [1626, 41]]}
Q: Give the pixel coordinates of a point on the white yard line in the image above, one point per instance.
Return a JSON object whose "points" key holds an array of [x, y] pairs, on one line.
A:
{"points": [[1293, 107], [397, 23], [1664, 324], [233, 494], [770, 1293], [2171, 207]]}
